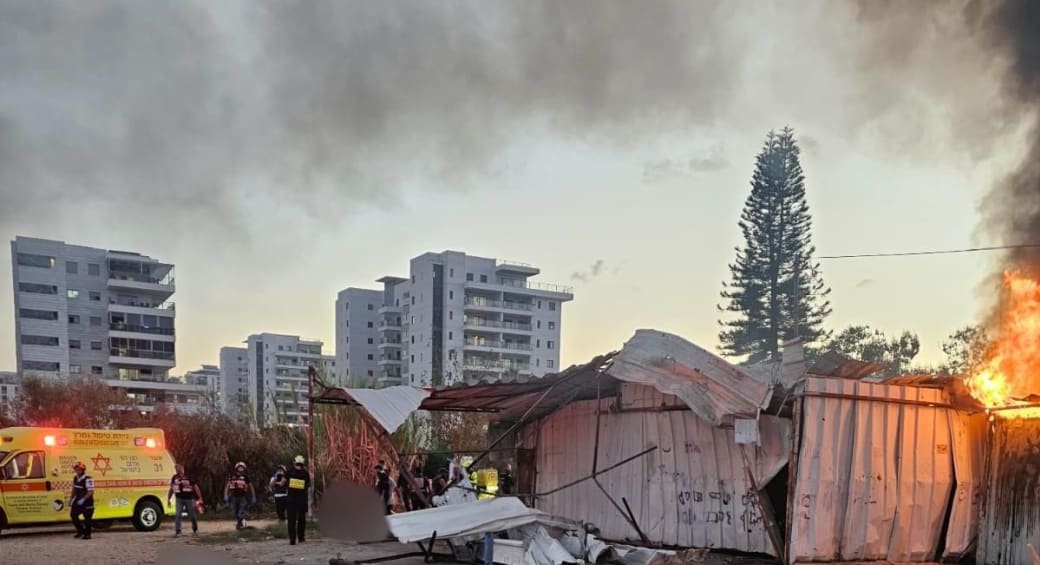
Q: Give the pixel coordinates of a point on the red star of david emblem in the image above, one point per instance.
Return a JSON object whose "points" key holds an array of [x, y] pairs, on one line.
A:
{"points": [[101, 464]]}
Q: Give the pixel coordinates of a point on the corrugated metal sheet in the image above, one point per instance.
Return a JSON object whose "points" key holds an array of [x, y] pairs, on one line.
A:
{"points": [[968, 432], [389, 407], [1011, 516], [690, 492], [463, 520], [875, 474], [713, 388], [834, 364]]}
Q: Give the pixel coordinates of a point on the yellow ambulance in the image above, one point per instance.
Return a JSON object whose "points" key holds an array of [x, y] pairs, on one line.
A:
{"points": [[131, 471]]}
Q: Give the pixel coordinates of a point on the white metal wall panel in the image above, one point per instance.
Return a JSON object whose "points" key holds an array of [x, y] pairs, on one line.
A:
{"points": [[874, 475], [969, 455], [690, 492]]}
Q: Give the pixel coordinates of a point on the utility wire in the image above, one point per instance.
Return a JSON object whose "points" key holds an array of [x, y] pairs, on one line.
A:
{"points": [[939, 252]]}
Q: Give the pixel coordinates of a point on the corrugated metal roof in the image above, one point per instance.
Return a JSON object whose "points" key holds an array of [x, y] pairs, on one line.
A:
{"points": [[834, 364], [691, 491], [875, 472], [710, 386]]}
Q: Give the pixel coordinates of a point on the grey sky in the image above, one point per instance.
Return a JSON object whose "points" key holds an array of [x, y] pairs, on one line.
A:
{"points": [[278, 152]]}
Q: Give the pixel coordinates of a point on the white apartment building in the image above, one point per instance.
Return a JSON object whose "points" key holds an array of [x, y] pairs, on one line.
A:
{"points": [[210, 377], [455, 317], [234, 374], [10, 387], [277, 369], [149, 396], [88, 311]]}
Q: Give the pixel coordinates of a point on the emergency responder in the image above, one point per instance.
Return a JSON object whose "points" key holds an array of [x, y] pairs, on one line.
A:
{"points": [[296, 502], [187, 492], [279, 486], [384, 486], [82, 503], [505, 480], [239, 491]]}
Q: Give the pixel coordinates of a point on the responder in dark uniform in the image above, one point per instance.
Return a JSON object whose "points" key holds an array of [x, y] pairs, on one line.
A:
{"points": [[296, 501], [279, 486], [82, 503], [239, 491]]}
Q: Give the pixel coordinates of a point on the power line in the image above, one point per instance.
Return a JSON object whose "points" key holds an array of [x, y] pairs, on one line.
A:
{"points": [[936, 252]]}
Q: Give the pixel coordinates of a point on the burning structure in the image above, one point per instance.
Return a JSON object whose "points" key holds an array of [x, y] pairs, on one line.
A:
{"points": [[663, 443]]}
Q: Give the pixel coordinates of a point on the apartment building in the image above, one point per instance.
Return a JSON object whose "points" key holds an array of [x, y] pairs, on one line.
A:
{"points": [[277, 368], [210, 377], [234, 376], [10, 386], [88, 311], [454, 317], [149, 396]]}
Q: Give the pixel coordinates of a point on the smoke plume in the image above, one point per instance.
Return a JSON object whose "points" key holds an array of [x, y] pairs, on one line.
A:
{"points": [[209, 110]]}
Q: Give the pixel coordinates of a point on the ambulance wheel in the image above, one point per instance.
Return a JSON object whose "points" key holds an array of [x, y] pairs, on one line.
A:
{"points": [[147, 516], [101, 524]]}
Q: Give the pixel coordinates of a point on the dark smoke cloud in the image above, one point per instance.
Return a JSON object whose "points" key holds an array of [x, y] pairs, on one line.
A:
{"points": [[207, 112], [1011, 210]]}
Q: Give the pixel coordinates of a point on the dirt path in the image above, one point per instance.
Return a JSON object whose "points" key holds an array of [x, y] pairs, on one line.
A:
{"points": [[122, 544]]}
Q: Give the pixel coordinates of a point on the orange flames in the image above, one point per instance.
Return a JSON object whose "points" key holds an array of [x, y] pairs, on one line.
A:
{"points": [[1010, 370]]}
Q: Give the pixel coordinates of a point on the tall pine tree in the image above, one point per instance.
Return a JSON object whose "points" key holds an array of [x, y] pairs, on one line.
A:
{"points": [[776, 291]]}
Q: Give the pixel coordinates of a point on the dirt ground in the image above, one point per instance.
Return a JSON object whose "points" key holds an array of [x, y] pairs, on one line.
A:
{"points": [[264, 542], [217, 544]]}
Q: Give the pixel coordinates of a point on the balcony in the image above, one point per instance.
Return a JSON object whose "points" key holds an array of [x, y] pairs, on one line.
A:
{"points": [[141, 282], [389, 309], [480, 303], [141, 357], [495, 366], [389, 326], [549, 290], [128, 328], [510, 346], [386, 343], [525, 269]]}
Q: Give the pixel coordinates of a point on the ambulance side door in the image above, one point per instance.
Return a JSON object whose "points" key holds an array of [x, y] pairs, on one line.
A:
{"points": [[28, 494]]}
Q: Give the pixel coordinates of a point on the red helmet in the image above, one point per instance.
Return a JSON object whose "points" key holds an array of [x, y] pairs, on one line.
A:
{"points": [[79, 465]]}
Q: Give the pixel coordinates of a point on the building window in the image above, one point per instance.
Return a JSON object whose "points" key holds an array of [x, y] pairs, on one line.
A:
{"points": [[30, 260], [413, 339], [537, 362], [370, 324], [74, 369], [73, 344], [451, 295], [451, 273], [413, 279], [413, 301], [539, 324], [95, 321], [550, 345], [95, 345], [469, 277], [370, 341], [413, 358], [539, 304], [370, 372], [451, 315], [537, 343], [552, 306], [371, 307], [95, 296], [552, 325], [47, 340], [35, 288], [41, 365], [72, 268], [72, 293], [549, 363], [370, 358], [37, 314], [346, 323], [73, 318], [96, 370], [94, 269], [451, 336], [483, 278]]}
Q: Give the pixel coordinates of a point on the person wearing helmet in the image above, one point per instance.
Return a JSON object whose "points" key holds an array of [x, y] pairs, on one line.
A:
{"points": [[82, 503], [279, 486], [296, 503], [239, 492]]}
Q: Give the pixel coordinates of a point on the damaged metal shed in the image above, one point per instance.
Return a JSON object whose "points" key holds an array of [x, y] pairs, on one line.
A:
{"points": [[666, 444]]}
